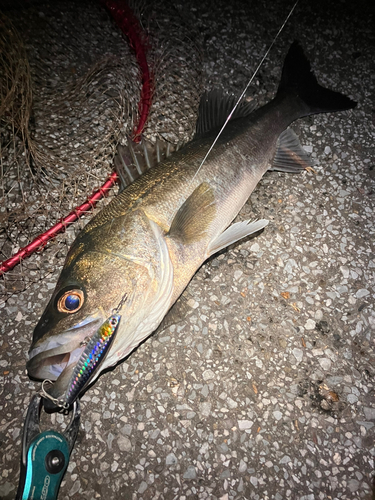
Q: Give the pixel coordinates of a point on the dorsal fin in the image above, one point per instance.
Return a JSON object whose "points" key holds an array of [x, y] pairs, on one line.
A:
{"points": [[133, 160], [214, 109]]}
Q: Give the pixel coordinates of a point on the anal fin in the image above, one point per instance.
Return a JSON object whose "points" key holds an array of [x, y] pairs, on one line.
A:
{"points": [[290, 155], [234, 233]]}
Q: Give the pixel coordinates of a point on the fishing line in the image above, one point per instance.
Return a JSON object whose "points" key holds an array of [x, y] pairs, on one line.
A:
{"points": [[245, 89]]}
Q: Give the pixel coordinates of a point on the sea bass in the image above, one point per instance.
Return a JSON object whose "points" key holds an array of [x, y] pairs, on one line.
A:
{"points": [[151, 239]]}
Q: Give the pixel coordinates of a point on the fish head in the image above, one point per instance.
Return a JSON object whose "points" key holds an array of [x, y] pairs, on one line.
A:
{"points": [[91, 286]]}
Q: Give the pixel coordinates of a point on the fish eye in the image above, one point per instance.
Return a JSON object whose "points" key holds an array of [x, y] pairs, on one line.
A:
{"points": [[71, 301]]}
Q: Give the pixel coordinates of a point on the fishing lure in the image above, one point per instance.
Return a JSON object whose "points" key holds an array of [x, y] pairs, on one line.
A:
{"points": [[94, 352], [87, 365]]}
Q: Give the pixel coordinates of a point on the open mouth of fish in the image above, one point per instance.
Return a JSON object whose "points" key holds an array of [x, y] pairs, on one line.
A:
{"points": [[55, 358]]}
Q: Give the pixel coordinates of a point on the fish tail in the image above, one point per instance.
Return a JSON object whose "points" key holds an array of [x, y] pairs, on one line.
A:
{"points": [[298, 79]]}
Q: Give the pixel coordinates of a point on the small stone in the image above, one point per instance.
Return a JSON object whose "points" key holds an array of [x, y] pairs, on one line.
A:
{"points": [[208, 374], [325, 363], [231, 403], [5, 489], [337, 458], [353, 485], [283, 343], [310, 324], [298, 354], [242, 467], [245, 424], [278, 415], [190, 473], [362, 292], [352, 398], [142, 487], [238, 274], [205, 409], [171, 459], [124, 443], [345, 271], [75, 488], [369, 413]]}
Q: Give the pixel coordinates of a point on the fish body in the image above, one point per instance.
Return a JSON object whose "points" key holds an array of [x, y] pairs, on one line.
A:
{"points": [[151, 239]]}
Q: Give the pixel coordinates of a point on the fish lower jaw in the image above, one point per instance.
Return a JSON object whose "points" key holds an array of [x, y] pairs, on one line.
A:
{"points": [[52, 367], [52, 357]]}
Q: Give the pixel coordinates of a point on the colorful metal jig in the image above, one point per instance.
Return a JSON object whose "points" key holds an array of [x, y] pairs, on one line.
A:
{"points": [[95, 351]]}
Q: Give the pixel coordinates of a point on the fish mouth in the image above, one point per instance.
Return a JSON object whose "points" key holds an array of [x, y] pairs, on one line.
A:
{"points": [[57, 356]]}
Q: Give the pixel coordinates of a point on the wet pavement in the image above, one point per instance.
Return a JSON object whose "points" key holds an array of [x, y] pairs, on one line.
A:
{"points": [[260, 382]]}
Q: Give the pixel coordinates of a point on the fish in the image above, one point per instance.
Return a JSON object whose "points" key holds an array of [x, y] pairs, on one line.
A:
{"points": [[155, 234]]}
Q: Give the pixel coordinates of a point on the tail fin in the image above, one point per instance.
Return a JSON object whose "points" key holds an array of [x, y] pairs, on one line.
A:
{"points": [[298, 78]]}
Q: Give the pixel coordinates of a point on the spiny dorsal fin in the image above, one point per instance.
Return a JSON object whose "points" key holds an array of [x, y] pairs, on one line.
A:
{"points": [[195, 215], [290, 155], [133, 160], [214, 109]]}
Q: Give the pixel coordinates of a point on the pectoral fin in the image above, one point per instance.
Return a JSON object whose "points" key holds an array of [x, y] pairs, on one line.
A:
{"points": [[234, 233], [290, 155], [195, 215]]}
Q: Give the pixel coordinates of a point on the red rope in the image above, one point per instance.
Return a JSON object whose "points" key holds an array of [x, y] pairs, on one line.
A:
{"points": [[41, 240], [128, 23]]}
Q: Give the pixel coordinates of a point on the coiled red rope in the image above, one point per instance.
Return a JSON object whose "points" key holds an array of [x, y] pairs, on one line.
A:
{"points": [[128, 23]]}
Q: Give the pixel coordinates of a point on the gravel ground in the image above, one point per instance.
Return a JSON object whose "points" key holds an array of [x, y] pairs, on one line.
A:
{"points": [[259, 384]]}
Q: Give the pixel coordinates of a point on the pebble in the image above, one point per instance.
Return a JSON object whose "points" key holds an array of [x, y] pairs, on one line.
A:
{"points": [[208, 375], [363, 292], [171, 459], [369, 413], [298, 354], [325, 363], [142, 487], [190, 473], [352, 398], [310, 324], [245, 424], [124, 443]]}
